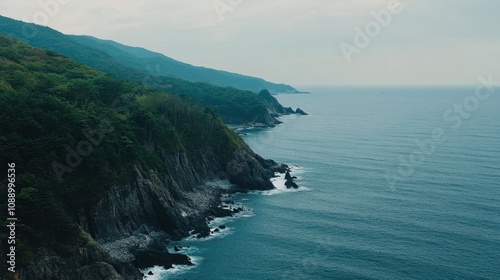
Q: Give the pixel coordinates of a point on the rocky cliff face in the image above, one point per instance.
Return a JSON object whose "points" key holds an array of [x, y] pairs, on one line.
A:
{"points": [[88, 262], [266, 119], [274, 107], [152, 209]]}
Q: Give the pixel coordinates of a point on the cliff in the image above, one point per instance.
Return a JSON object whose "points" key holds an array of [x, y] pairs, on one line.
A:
{"points": [[274, 107], [148, 212], [108, 171], [175, 204]]}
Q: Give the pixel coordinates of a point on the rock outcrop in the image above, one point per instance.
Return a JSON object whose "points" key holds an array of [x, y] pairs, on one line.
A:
{"points": [[275, 108], [289, 183], [88, 262], [130, 221], [152, 257], [300, 112]]}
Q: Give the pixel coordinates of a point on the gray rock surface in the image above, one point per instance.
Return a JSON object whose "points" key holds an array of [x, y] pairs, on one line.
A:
{"points": [[151, 210]]}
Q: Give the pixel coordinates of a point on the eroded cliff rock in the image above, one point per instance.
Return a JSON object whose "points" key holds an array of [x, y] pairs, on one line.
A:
{"points": [[143, 215], [275, 108]]}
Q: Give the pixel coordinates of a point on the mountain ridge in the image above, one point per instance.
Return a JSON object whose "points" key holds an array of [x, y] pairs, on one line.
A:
{"points": [[171, 67], [235, 106], [116, 167]]}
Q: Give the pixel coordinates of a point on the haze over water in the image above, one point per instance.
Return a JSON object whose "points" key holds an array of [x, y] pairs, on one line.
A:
{"points": [[440, 222]]}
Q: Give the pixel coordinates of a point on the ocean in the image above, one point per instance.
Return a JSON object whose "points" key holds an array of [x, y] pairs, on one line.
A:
{"points": [[396, 183]]}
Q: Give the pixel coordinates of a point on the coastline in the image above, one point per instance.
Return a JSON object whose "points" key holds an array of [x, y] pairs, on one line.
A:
{"points": [[219, 221]]}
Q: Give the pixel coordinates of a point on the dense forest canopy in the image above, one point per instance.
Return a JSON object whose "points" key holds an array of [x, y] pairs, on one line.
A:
{"points": [[232, 104], [73, 132]]}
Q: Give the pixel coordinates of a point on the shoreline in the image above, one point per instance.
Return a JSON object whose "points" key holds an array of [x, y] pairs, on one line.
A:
{"points": [[217, 220]]}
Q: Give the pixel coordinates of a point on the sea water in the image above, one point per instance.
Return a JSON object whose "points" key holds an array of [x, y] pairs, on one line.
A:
{"points": [[396, 183]]}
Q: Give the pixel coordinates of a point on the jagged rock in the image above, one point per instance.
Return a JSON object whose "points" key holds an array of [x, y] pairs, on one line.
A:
{"points": [[171, 203], [202, 231], [274, 107], [289, 181], [221, 212], [151, 273], [153, 257], [177, 248], [254, 174], [222, 226], [99, 270], [300, 112], [91, 262], [291, 184]]}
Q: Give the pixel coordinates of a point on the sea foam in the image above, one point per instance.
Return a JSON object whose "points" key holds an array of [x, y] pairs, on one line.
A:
{"points": [[160, 273], [279, 182]]}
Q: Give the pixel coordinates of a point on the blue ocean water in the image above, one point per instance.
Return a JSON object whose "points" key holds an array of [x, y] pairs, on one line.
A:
{"points": [[391, 190]]}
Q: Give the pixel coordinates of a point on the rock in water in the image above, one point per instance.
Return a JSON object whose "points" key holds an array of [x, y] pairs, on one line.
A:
{"points": [[300, 112], [202, 231], [153, 257], [289, 181], [291, 184]]}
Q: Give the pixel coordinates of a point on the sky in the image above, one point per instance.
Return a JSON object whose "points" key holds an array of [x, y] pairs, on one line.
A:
{"points": [[297, 42]]}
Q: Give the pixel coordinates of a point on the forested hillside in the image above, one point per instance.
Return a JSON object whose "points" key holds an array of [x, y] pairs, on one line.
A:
{"points": [[74, 132], [232, 104], [160, 65]]}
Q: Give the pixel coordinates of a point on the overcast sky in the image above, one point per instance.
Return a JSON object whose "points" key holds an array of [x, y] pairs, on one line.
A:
{"points": [[298, 42]]}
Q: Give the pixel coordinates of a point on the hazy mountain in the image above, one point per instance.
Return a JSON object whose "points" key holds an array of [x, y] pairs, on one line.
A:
{"points": [[129, 62], [233, 105]]}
